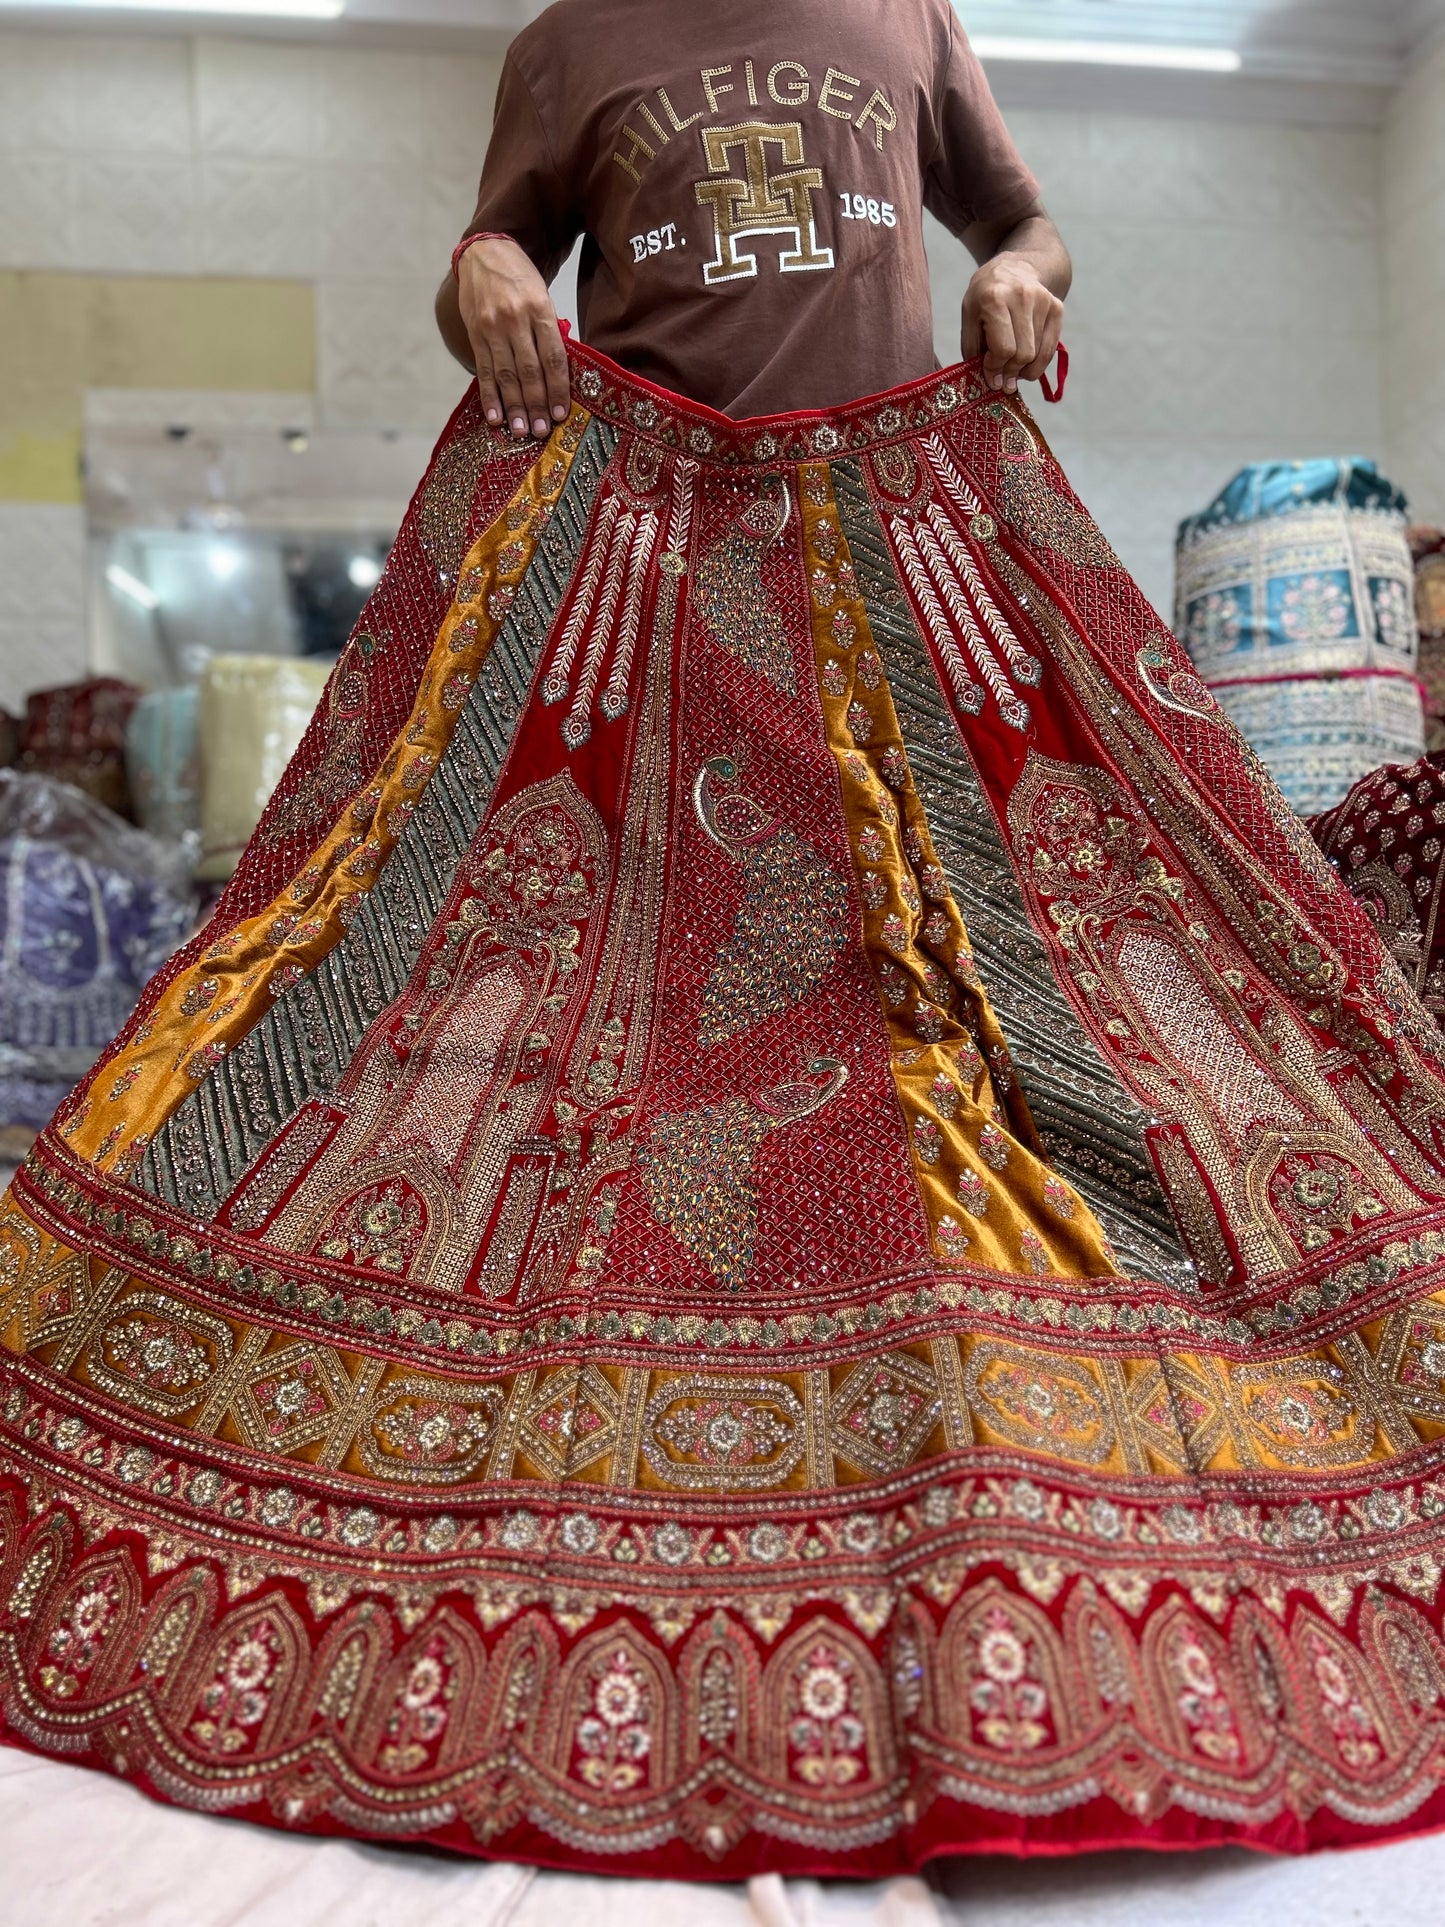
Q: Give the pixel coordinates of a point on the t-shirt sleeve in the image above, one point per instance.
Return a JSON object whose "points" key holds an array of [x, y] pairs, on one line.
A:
{"points": [[523, 191], [976, 173]]}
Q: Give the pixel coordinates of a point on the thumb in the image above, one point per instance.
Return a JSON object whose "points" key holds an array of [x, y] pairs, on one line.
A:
{"points": [[972, 342]]}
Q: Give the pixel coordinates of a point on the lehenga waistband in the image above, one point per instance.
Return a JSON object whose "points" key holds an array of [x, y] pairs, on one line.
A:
{"points": [[631, 401]]}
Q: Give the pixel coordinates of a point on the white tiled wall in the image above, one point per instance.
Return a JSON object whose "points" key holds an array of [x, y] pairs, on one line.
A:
{"points": [[1227, 303], [1226, 308], [1414, 225], [354, 170], [42, 598]]}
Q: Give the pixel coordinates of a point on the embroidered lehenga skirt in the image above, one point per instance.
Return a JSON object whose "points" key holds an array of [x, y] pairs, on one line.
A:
{"points": [[785, 1221]]}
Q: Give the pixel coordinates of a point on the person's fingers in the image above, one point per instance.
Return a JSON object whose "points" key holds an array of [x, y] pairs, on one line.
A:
{"points": [[510, 387], [534, 387], [1048, 343], [487, 384], [999, 339], [555, 372], [1025, 342]]}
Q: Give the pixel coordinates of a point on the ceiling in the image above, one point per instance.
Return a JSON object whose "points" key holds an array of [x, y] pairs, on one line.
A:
{"points": [[1320, 59], [1363, 41]]}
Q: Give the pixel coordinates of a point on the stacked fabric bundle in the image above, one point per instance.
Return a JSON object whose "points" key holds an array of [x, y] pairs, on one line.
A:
{"points": [[1296, 601], [76, 734], [89, 909]]}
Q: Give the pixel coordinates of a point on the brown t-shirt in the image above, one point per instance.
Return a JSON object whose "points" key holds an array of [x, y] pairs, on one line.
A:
{"points": [[750, 177]]}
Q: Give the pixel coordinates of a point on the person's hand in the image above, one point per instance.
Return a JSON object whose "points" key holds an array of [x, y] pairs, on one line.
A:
{"points": [[512, 326], [1013, 319]]}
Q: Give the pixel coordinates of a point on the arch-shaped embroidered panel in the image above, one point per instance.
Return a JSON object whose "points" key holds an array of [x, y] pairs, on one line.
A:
{"points": [[238, 1695], [423, 1711], [616, 1730], [1104, 1674], [345, 1672], [1195, 1690], [1408, 1653], [1354, 1724], [1001, 1676], [826, 1723], [720, 1689], [522, 1686], [173, 1625], [84, 1634], [913, 1660], [43, 1556], [1264, 1661]]}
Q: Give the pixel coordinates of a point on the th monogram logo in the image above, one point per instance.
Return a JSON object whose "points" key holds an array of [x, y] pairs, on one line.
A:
{"points": [[752, 200]]}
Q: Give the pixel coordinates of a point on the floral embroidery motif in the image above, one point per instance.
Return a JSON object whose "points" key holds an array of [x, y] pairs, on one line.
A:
{"points": [[614, 1736], [1058, 1196], [884, 1411], [720, 1434], [236, 1698], [945, 1094], [951, 1239], [1206, 1712], [1007, 1695], [381, 1227], [421, 1709], [825, 1735], [973, 1193], [1034, 1254], [424, 1429], [1343, 1710], [78, 1635]]}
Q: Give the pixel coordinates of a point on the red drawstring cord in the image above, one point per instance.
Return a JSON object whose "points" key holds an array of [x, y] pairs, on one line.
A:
{"points": [[1051, 393]]}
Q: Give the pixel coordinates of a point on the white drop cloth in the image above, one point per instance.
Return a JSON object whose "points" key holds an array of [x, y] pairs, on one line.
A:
{"points": [[78, 1849]]}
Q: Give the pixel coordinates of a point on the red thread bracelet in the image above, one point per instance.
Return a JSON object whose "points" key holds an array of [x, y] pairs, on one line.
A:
{"points": [[467, 241]]}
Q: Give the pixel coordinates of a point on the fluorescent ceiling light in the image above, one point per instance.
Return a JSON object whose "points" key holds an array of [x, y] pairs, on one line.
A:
{"points": [[259, 9], [1109, 53], [132, 586]]}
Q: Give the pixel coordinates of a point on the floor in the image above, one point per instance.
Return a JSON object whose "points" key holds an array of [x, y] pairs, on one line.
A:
{"points": [[87, 1851]]}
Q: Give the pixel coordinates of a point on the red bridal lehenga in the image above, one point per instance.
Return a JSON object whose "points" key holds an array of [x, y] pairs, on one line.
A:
{"points": [[785, 1221]]}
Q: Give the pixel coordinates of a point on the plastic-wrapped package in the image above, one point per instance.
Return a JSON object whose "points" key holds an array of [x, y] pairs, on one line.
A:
{"points": [[89, 910], [1296, 601], [161, 758], [253, 713]]}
